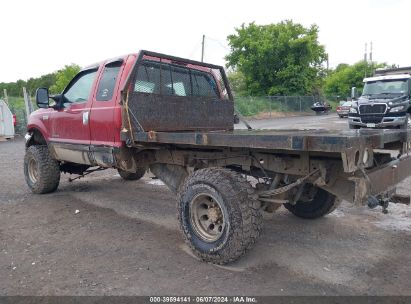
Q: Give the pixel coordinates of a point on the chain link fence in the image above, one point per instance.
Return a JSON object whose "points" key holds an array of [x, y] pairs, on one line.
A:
{"points": [[21, 119], [251, 105], [247, 106]]}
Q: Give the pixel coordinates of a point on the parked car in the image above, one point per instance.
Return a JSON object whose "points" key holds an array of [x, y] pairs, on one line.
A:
{"points": [[321, 107], [344, 109]]}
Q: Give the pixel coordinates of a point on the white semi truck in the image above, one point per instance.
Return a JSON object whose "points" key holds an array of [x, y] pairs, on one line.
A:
{"points": [[385, 101]]}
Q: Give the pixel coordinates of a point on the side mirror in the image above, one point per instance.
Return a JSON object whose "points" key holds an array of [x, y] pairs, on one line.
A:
{"points": [[353, 93], [42, 98]]}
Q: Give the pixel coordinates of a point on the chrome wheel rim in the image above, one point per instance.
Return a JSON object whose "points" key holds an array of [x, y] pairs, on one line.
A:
{"points": [[32, 170], [207, 217]]}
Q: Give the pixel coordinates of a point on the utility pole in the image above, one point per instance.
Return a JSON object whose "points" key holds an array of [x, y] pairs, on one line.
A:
{"points": [[370, 52], [202, 49], [370, 58], [365, 61], [27, 102]]}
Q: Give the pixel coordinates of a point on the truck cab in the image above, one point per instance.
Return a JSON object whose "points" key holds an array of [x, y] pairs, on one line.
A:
{"points": [[82, 126], [385, 101], [87, 112]]}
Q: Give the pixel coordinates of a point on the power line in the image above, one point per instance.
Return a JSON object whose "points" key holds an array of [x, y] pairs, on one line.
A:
{"points": [[219, 42], [194, 50], [202, 49]]}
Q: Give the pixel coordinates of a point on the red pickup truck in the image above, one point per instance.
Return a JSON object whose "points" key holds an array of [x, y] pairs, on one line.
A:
{"points": [[175, 117]]}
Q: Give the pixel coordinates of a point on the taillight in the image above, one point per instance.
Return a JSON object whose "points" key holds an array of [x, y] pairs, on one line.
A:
{"points": [[338, 108], [14, 120]]}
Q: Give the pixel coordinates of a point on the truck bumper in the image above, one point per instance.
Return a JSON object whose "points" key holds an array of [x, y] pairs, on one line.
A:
{"points": [[343, 113], [386, 122]]}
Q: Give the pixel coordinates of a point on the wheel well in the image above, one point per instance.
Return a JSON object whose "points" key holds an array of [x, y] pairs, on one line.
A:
{"points": [[36, 139]]}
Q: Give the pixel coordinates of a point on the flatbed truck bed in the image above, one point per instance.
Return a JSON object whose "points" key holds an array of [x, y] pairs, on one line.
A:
{"points": [[289, 140], [362, 163]]}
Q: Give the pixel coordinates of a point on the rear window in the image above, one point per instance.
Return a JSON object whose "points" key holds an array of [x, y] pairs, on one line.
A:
{"points": [[169, 79]]}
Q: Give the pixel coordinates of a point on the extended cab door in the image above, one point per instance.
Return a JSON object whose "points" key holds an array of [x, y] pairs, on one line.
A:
{"points": [[104, 123], [70, 123]]}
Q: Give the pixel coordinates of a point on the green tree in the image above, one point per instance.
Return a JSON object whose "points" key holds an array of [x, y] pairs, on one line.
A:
{"points": [[45, 81], [13, 88], [16, 88], [284, 58], [63, 77], [237, 82], [340, 81]]}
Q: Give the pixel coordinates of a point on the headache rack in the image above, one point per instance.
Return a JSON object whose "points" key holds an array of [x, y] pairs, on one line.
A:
{"points": [[166, 93]]}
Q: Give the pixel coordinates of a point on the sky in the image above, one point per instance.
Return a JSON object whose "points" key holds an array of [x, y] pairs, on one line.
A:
{"points": [[40, 37]]}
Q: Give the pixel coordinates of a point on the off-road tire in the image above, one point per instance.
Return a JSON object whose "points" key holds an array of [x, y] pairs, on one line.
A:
{"points": [[132, 176], [44, 167], [239, 206], [322, 204]]}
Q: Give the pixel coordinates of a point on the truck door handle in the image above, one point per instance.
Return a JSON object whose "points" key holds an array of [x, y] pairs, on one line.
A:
{"points": [[86, 117]]}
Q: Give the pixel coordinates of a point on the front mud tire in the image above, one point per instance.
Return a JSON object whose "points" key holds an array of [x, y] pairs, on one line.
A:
{"points": [[41, 170], [219, 215]]}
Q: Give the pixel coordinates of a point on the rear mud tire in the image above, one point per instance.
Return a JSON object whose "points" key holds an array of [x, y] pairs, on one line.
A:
{"points": [[129, 176], [322, 204], [228, 195], [41, 170]]}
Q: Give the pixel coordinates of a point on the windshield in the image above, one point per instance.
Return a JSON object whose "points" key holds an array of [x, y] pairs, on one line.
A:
{"points": [[397, 86]]}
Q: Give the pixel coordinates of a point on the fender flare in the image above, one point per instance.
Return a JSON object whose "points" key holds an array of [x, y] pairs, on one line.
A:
{"points": [[35, 136]]}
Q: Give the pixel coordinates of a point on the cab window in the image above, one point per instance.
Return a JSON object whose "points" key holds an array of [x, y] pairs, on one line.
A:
{"points": [[108, 81], [79, 89]]}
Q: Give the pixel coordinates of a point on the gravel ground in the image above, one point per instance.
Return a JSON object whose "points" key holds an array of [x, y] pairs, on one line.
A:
{"points": [[124, 241]]}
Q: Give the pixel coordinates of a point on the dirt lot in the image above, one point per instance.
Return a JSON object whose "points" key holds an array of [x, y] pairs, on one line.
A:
{"points": [[125, 241]]}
